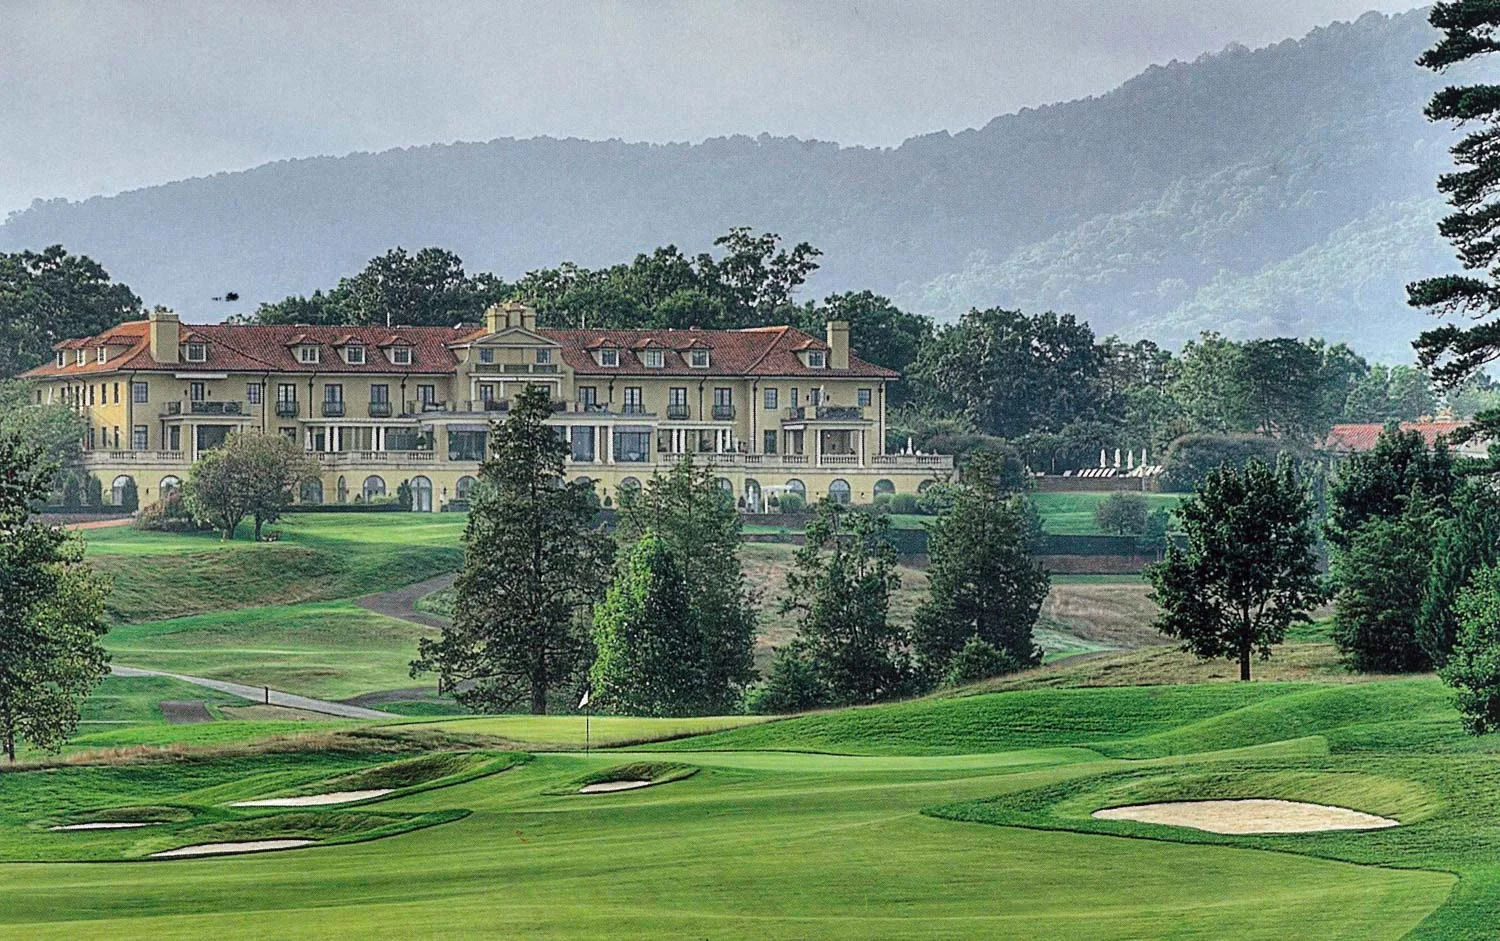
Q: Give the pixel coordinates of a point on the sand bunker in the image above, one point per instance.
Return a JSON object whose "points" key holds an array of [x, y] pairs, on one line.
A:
{"points": [[606, 787], [101, 826], [1249, 816], [213, 849], [317, 800]]}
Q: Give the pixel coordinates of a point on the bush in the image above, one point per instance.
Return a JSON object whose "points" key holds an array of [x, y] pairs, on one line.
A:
{"points": [[94, 492], [882, 502], [792, 503], [978, 660], [1192, 458], [168, 515], [904, 503], [937, 499], [1474, 666], [72, 493], [793, 686], [1122, 513], [130, 497], [403, 495]]}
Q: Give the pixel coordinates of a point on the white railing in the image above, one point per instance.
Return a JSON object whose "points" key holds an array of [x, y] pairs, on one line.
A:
{"points": [[377, 458], [924, 461], [114, 458]]}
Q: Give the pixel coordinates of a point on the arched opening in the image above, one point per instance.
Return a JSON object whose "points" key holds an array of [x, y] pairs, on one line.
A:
{"points": [[118, 488], [311, 491], [421, 495], [922, 487], [753, 496], [374, 487], [884, 486], [169, 484], [798, 487], [343, 490], [838, 492], [464, 488]]}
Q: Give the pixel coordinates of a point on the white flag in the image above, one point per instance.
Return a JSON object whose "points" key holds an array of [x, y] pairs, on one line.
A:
{"points": [[585, 700]]}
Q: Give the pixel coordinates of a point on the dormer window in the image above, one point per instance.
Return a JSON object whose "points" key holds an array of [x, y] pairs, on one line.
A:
{"points": [[308, 355], [486, 355], [401, 355], [698, 359], [197, 352], [80, 357], [609, 357], [817, 359], [354, 354], [654, 359], [103, 354], [543, 357], [62, 359]]}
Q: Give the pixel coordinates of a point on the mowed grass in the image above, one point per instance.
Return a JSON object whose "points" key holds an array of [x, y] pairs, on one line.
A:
{"points": [[121, 700], [327, 650], [568, 732], [1072, 514], [319, 557]]}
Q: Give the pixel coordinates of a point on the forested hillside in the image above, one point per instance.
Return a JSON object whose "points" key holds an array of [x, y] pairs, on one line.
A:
{"points": [[1287, 190]]}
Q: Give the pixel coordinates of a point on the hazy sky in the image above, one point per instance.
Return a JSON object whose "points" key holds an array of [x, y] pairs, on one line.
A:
{"points": [[99, 97]]}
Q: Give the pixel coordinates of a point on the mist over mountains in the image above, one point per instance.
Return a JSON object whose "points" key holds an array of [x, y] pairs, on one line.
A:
{"points": [[1285, 190]]}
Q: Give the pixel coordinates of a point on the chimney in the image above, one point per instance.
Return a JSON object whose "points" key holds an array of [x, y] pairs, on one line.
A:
{"points": [[838, 344], [495, 318], [528, 317], [163, 328]]}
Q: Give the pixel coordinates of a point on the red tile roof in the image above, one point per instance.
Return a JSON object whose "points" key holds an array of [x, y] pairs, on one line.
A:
{"points": [[1354, 438], [762, 351]]}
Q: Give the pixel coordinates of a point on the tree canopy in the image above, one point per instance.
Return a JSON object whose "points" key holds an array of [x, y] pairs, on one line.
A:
{"points": [[53, 295]]}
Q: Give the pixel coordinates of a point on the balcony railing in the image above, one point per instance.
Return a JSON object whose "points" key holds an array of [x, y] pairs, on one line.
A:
{"points": [[333, 409], [515, 369], [113, 458], [923, 461], [678, 412], [825, 413], [286, 408], [380, 410], [723, 413], [206, 408], [379, 458]]}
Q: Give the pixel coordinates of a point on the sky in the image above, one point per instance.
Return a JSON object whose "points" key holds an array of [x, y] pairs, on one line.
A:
{"points": [[96, 98]]}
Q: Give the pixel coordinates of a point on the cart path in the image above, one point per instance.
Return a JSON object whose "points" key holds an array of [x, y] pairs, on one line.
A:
{"points": [[258, 694], [401, 603]]}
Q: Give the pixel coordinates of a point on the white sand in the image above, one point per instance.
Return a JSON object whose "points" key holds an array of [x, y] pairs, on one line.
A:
{"points": [[316, 800], [213, 849], [606, 787], [1249, 816], [101, 826]]}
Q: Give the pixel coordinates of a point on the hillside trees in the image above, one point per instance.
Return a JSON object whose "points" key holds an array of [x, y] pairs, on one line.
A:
{"points": [[1380, 482], [51, 611], [1248, 570], [57, 429], [52, 295], [1463, 544], [534, 564], [425, 288], [983, 582]]}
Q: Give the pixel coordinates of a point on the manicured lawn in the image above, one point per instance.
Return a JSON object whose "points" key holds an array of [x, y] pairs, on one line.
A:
{"points": [[320, 557], [1066, 514], [567, 732], [328, 650]]}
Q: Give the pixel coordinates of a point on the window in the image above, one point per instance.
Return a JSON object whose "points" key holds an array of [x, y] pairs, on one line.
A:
{"points": [[91, 394], [288, 432], [103, 355], [838, 492], [543, 357], [864, 398], [427, 395], [91, 438], [333, 392], [117, 393], [380, 393], [197, 352], [654, 359], [583, 443], [354, 354], [632, 447], [817, 359], [588, 398], [770, 443], [80, 357], [174, 438], [486, 355], [62, 359], [197, 391], [252, 393], [815, 397], [116, 445], [792, 395], [634, 401], [723, 404], [464, 488], [308, 354], [401, 355], [140, 393], [466, 445], [609, 357], [286, 392], [771, 398], [698, 359], [677, 404]]}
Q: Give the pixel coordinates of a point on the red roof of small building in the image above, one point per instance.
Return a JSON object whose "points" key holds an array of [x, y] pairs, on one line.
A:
{"points": [[1354, 438]]}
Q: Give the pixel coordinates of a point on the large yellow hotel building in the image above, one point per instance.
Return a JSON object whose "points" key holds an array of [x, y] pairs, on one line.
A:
{"points": [[772, 409]]}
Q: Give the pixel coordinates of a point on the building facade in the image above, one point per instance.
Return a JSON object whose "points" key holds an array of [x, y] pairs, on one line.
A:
{"points": [[772, 409]]}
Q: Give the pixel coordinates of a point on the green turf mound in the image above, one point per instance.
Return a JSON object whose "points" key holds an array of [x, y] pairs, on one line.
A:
{"points": [[655, 772], [326, 828], [163, 813]]}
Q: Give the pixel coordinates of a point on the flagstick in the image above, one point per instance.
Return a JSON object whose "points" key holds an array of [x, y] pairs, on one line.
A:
{"points": [[586, 730]]}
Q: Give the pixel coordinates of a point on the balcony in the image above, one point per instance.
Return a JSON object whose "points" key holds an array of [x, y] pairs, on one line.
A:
{"points": [[375, 458], [678, 412], [914, 461], [333, 409], [632, 408], [205, 408], [515, 369], [723, 413], [93, 459], [380, 410], [825, 413], [286, 408]]}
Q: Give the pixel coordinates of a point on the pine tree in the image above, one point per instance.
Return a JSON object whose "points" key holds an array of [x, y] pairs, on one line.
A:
{"points": [[649, 651], [1464, 544], [534, 564]]}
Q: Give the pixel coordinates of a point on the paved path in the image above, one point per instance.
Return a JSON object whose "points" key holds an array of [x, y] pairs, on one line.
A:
{"points": [[402, 602], [257, 694]]}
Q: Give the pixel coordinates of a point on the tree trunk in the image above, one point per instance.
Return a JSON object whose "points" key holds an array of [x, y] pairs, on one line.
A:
{"points": [[1244, 664], [539, 696], [10, 745], [257, 529]]}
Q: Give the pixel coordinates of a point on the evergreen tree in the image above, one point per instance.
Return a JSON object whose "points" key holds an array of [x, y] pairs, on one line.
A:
{"points": [[1378, 483], [695, 519], [534, 564], [1379, 581], [648, 649], [839, 590], [1248, 571], [51, 611], [1474, 666], [983, 581], [1450, 351], [1462, 545]]}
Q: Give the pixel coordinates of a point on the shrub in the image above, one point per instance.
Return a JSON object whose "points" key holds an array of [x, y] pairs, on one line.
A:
{"points": [[1122, 513], [979, 660], [72, 493], [882, 502], [793, 686], [168, 515], [905, 503], [937, 498], [1474, 666], [403, 495], [792, 503], [130, 497], [94, 492]]}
